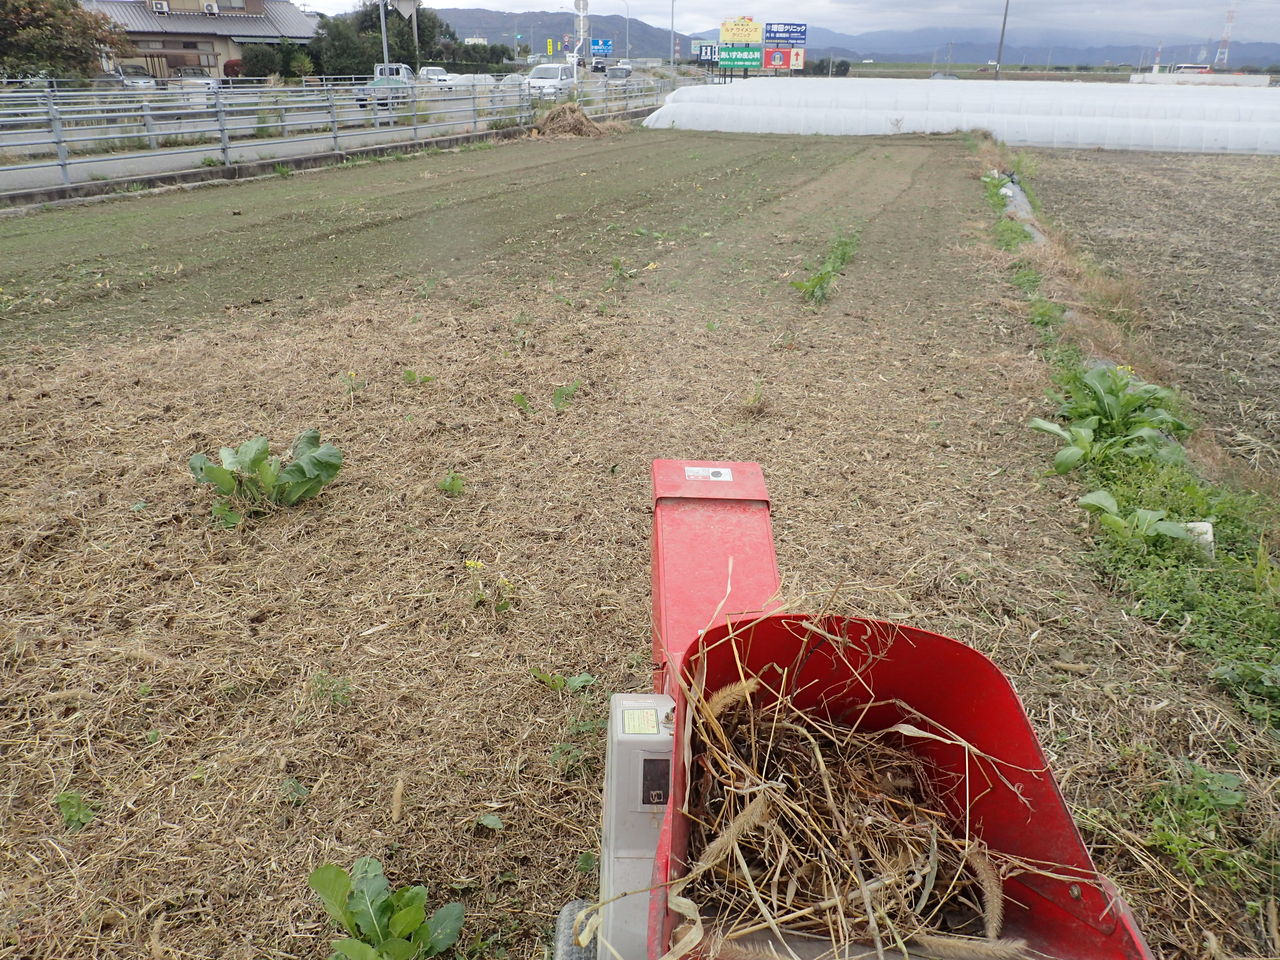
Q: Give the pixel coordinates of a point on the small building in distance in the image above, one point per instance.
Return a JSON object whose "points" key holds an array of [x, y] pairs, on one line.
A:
{"points": [[202, 33]]}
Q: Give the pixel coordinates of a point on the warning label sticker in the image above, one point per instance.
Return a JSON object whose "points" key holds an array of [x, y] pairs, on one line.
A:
{"points": [[640, 722], [708, 473]]}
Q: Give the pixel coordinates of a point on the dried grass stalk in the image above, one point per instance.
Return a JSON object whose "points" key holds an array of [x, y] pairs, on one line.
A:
{"points": [[804, 828]]}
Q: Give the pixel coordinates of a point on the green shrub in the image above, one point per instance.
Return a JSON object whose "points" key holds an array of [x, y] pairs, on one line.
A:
{"points": [[260, 60]]}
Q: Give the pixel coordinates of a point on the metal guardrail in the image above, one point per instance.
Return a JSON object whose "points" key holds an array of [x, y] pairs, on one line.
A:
{"points": [[82, 133]]}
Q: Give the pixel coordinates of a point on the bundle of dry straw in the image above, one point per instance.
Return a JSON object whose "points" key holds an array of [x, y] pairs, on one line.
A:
{"points": [[809, 838]]}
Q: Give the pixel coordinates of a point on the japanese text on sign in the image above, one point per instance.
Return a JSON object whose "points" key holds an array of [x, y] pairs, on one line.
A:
{"points": [[792, 33], [733, 57], [741, 30]]}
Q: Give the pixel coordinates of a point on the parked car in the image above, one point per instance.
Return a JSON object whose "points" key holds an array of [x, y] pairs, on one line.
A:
{"points": [[391, 81], [551, 81], [192, 78], [436, 75], [126, 76]]}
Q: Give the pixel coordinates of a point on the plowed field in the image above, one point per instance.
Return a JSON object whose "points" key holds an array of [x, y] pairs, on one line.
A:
{"points": [[238, 707]]}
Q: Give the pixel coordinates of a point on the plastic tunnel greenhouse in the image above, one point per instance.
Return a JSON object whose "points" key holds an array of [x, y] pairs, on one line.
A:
{"points": [[1023, 113]]}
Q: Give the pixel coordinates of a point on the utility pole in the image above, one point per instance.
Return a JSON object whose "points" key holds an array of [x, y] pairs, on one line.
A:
{"points": [[673, 37], [382, 19], [628, 7], [1000, 49], [417, 54]]}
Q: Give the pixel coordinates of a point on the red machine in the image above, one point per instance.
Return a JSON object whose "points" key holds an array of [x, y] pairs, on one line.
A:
{"points": [[715, 597]]}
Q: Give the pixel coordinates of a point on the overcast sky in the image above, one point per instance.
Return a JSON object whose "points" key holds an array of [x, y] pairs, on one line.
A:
{"points": [[1154, 19]]}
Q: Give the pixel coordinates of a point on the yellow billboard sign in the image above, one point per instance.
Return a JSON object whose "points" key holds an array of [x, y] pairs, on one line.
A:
{"points": [[741, 30]]}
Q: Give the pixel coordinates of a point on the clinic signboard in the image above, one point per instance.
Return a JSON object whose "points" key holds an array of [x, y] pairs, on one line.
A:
{"points": [[741, 30], [738, 58], [793, 34], [708, 53], [776, 58]]}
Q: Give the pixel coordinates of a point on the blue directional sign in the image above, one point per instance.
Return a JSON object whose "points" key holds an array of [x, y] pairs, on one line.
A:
{"points": [[792, 33], [601, 48]]}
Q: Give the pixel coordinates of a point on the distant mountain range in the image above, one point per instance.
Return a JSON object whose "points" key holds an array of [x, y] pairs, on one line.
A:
{"points": [[536, 28], [1034, 48], [1065, 48]]}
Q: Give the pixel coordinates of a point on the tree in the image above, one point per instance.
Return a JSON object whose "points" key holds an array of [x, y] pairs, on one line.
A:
{"points": [[260, 60], [342, 52], [57, 36], [286, 50], [432, 33], [842, 68]]}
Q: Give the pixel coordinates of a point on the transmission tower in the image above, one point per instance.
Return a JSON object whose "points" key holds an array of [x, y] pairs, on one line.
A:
{"points": [[1220, 59]]}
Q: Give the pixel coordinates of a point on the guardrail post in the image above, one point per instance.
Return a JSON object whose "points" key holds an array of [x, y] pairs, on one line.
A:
{"points": [[414, 96], [333, 117], [55, 128], [149, 124], [222, 127]]}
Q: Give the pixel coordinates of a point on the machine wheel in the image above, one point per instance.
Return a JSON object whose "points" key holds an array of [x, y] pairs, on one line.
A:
{"points": [[565, 948]]}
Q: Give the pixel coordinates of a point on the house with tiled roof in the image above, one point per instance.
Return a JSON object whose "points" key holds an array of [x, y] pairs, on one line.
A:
{"points": [[202, 33]]}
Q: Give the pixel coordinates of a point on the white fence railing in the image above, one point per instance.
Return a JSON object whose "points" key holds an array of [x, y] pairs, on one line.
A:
{"points": [[85, 134]]}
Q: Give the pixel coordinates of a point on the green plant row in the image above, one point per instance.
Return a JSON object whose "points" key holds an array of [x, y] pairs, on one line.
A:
{"points": [[816, 288], [1122, 436]]}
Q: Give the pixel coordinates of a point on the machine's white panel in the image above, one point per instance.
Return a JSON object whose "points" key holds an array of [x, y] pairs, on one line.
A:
{"points": [[637, 781]]}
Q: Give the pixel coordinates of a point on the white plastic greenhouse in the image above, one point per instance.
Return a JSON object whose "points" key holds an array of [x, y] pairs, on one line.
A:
{"points": [[1023, 113]]}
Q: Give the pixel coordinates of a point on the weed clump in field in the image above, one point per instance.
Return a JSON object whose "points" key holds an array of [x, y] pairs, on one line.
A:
{"points": [[817, 288], [251, 482]]}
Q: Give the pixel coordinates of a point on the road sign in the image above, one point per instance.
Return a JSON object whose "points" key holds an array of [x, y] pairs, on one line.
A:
{"points": [[602, 48], [708, 53], [741, 30], [580, 6], [792, 33], [732, 58], [786, 58]]}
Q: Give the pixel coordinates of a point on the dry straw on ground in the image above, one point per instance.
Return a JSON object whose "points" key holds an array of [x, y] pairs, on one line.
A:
{"points": [[568, 120]]}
